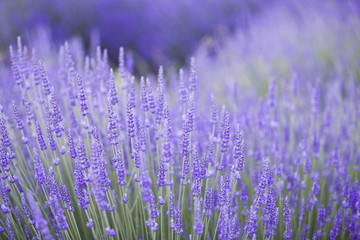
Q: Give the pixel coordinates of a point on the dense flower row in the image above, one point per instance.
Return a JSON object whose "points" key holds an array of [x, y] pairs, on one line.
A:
{"points": [[90, 152]]}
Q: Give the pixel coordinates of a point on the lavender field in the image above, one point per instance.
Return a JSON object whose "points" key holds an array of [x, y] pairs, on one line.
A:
{"points": [[255, 136]]}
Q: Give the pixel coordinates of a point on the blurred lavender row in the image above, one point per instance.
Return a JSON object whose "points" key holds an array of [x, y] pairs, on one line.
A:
{"points": [[157, 31]]}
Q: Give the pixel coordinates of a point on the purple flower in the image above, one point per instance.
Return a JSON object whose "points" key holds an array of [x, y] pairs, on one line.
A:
{"points": [[65, 197], [321, 217], [193, 76], [225, 135], [90, 223], [55, 114], [144, 95], [130, 119], [81, 154], [9, 229], [172, 210], [40, 221], [198, 224], [336, 225], [80, 186], [40, 175], [5, 135], [82, 96], [51, 139], [178, 224], [113, 94], [71, 145], [112, 127], [15, 67], [27, 104], [250, 227], [122, 69], [316, 187], [18, 120], [150, 96], [182, 87], [110, 232], [190, 118], [287, 220], [5, 209], [27, 232], [153, 212], [44, 78], [125, 198], [239, 150], [120, 171], [59, 213], [40, 136], [161, 100], [209, 202]]}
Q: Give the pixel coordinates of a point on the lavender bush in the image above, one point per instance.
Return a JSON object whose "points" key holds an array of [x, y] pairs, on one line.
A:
{"points": [[91, 152]]}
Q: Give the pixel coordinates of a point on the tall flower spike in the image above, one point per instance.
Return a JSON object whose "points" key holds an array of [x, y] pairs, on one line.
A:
{"points": [[239, 150], [179, 225], [27, 105], [18, 120], [182, 87], [71, 144], [150, 96], [336, 226], [214, 111], [198, 223], [166, 144], [113, 91], [81, 154], [15, 67], [130, 120], [4, 132], [153, 212], [82, 96], [143, 95], [40, 136], [161, 97], [122, 70], [65, 197], [112, 128], [44, 78], [51, 139], [55, 114], [145, 182], [190, 115], [80, 186], [225, 135], [193, 75], [22, 51], [35, 68], [40, 221], [9, 229], [4, 157], [27, 232], [287, 219], [172, 210], [24, 206], [59, 213], [250, 227], [120, 171], [209, 202]]}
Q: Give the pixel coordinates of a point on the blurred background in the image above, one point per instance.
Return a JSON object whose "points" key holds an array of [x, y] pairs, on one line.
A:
{"points": [[156, 32], [239, 39]]}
